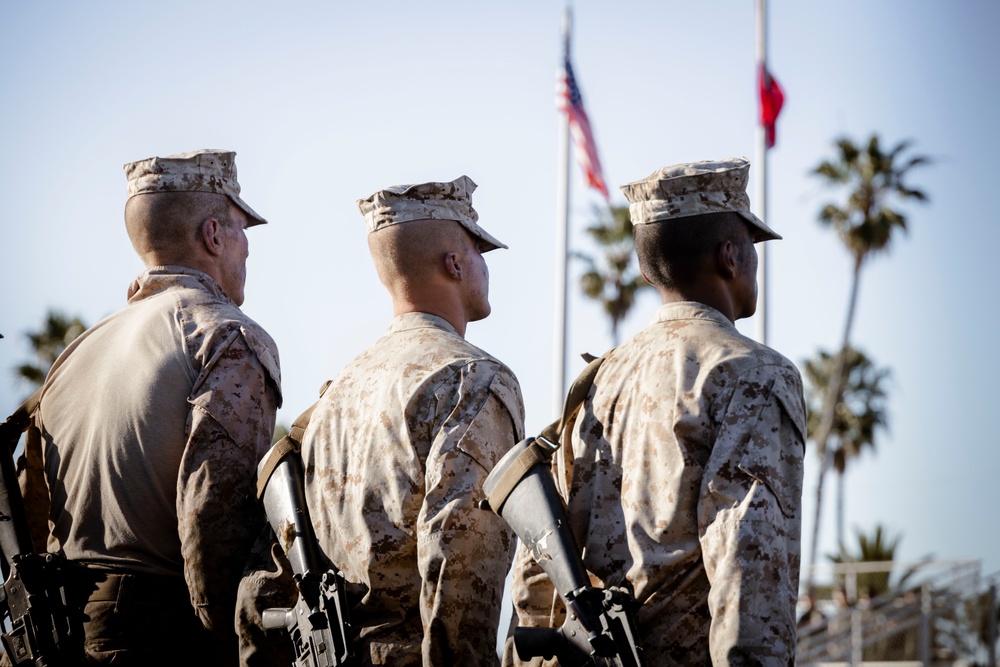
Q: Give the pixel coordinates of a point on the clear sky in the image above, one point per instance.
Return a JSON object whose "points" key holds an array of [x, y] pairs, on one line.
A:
{"points": [[327, 102]]}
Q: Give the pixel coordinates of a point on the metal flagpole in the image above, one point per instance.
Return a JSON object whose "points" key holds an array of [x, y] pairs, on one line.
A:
{"points": [[562, 229], [760, 181]]}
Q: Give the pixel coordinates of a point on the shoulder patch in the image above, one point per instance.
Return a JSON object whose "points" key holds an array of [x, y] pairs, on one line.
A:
{"points": [[507, 390], [789, 394], [267, 353], [778, 462]]}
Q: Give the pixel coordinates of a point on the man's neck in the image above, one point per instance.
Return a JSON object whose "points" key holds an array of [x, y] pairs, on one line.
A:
{"points": [[711, 296], [453, 316]]}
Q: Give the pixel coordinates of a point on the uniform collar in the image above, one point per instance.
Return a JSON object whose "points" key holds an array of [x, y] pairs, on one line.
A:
{"points": [[159, 278], [691, 310], [409, 321]]}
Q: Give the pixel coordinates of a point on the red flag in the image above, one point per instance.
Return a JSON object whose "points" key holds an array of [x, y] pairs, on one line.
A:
{"points": [[568, 99], [771, 99]]}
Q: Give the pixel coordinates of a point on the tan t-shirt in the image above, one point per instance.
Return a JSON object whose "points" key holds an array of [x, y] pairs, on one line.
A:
{"points": [[153, 422]]}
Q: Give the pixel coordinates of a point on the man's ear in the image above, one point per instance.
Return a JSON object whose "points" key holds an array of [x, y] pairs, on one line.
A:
{"points": [[211, 236], [453, 265], [727, 259], [646, 278]]}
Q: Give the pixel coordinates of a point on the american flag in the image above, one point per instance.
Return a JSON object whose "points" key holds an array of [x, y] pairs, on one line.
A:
{"points": [[569, 100]]}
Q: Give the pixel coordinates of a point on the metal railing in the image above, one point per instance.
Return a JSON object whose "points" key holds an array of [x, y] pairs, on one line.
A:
{"points": [[927, 613]]}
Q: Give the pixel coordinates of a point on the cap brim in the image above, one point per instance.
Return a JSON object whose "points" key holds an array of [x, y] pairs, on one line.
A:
{"points": [[493, 242], [758, 230], [483, 235], [254, 217]]}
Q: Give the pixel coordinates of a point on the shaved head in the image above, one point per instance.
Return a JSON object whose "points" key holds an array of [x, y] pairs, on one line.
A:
{"points": [[434, 267], [408, 254], [674, 253], [166, 224]]}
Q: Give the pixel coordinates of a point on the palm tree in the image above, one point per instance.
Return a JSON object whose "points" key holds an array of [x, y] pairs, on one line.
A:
{"points": [[612, 282], [870, 181], [56, 333], [878, 547], [860, 413]]}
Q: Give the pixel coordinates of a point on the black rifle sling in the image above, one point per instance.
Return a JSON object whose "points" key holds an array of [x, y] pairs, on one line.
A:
{"points": [[24, 479], [549, 439], [18, 422]]}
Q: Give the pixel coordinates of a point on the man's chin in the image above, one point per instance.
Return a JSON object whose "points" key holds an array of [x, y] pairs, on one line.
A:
{"points": [[750, 311], [476, 317]]}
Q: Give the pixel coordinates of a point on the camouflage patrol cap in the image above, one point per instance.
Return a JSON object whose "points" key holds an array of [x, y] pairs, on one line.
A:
{"points": [[695, 188], [426, 201], [203, 170]]}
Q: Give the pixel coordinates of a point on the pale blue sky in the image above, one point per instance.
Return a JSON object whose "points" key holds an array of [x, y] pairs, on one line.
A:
{"points": [[327, 102]]}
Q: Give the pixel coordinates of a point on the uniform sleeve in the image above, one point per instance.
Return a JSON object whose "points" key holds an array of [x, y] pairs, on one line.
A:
{"points": [[230, 428], [750, 520], [463, 552], [267, 583]]}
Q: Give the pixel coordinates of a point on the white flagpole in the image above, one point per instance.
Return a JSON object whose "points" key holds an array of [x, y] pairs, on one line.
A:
{"points": [[562, 229], [760, 181]]}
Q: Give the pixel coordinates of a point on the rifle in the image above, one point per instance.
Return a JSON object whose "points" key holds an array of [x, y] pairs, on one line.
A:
{"points": [[318, 624], [43, 630], [600, 627]]}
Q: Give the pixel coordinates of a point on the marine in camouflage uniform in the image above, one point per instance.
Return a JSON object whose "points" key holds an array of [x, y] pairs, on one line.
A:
{"points": [[684, 469], [399, 445], [153, 422]]}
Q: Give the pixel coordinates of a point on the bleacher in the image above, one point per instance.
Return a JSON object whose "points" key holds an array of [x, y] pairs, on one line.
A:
{"points": [[929, 613]]}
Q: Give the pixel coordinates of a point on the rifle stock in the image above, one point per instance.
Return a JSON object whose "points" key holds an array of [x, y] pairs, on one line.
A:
{"points": [[599, 628], [318, 625]]}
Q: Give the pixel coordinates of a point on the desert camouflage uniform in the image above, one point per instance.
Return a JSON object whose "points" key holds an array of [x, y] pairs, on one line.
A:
{"points": [[396, 454], [684, 475], [153, 422]]}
